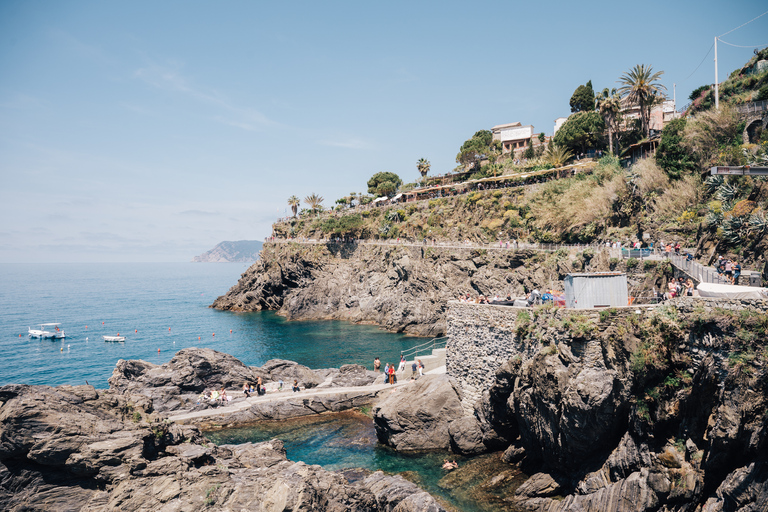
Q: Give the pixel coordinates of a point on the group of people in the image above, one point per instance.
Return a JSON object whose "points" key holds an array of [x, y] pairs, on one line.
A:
{"points": [[731, 269], [215, 397], [482, 299], [680, 288], [391, 371]]}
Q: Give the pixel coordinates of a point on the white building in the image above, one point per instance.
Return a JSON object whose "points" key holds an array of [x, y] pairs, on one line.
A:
{"points": [[512, 136], [560, 121]]}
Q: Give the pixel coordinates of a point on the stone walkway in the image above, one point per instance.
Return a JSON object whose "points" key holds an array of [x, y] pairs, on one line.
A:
{"points": [[243, 404]]}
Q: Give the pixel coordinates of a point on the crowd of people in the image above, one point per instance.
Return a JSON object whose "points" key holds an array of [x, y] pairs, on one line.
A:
{"points": [[218, 397]]}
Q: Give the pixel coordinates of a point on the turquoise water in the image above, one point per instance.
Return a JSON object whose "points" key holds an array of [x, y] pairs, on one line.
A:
{"points": [[348, 440], [142, 301]]}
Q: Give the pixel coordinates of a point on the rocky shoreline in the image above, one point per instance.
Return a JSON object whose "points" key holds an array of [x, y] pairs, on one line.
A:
{"points": [[79, 448]]}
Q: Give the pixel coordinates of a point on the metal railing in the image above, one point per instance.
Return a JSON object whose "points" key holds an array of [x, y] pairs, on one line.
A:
{"points": [[754, 107], [425, 347]]}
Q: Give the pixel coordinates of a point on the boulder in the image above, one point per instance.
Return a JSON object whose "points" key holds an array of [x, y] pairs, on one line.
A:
{"points": [[288, 371], [466, 436], [416, 417], [353, 375]]}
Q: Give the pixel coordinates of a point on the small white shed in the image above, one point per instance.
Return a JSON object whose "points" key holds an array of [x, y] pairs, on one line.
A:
{"points": [[597, 290]]}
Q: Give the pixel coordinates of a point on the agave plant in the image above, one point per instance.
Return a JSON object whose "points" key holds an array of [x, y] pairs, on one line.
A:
{"points": [[713, 183], [758, 223], [726, 192], [713, 219], [393, 216]]}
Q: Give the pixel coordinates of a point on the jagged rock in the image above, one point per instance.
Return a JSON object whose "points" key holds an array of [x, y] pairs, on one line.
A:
{"points": [[400, 288], [744, 490], [76, 448], [513, 454], [416, 417], [539, 485], [288, 371], [466, 436], [353, 375], [397, 494], [177, 383]]}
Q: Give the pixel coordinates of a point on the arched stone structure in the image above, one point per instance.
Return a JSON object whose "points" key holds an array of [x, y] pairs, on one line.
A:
{"points": [[755, 124]]}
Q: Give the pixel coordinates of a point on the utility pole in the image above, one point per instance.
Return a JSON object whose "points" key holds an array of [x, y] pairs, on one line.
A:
{"points": [[717, 90]]}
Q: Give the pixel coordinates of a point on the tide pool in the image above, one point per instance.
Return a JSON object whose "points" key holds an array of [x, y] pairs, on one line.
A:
{"points": [[345, 441]]}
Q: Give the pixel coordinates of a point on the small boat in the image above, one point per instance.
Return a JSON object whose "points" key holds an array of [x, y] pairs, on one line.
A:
{"points": [[114, 338], [44, 333]]}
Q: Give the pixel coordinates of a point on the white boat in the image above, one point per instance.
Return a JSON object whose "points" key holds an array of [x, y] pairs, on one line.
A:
{"points": [[114, 338], [44, 333]]}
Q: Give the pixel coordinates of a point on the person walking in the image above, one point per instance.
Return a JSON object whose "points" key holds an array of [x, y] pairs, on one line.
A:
{"points": [[736, 268], [414, 369], [421, 369], [392, 374], [401, 367]]}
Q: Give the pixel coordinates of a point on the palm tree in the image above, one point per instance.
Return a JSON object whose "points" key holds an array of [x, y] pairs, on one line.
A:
{"points": [[609, 105], [423, 166], [495, 169], [557, 156], [294, 202], [314, 201], [640, 87]]}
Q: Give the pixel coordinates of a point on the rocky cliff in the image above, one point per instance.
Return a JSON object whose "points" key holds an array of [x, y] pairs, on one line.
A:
{"points": [[652, 409], [401, 288], [231, 252]]}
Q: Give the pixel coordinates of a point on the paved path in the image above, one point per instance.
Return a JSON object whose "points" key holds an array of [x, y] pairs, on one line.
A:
{"points": [[238, 405]]}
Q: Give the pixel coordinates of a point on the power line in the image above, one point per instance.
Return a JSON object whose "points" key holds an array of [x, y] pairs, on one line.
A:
{"points": [[700, 63], [739, 46], [747, 23]]}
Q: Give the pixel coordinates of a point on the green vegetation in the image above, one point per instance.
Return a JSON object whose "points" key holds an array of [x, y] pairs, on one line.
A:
{"points": [[384, 184], [583, 98], [582, 130], [136, 417], [480, 147]]}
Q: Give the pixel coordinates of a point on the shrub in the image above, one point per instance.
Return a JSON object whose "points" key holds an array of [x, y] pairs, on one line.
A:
{"points": [[632, 263]]}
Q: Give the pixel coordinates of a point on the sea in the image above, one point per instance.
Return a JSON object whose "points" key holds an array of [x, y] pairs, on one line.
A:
{"points": [[162, 308]]}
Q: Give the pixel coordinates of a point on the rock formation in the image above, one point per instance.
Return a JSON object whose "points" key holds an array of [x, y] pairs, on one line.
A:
{"points": [[400, 288], [417, 417], [78, 448], [661, 410], [177, 383], [231, 252]]}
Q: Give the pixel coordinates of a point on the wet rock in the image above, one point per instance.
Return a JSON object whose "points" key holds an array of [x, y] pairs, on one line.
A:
{"points": [[466, 436], [539, 485], [513, 454], [416, 417], [397, 494]]}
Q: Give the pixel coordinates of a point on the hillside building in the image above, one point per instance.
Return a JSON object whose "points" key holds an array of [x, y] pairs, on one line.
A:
{"points": [[513, 136]]}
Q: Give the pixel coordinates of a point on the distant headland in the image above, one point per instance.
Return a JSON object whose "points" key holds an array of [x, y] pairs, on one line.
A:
{"points": [[231, 252]]}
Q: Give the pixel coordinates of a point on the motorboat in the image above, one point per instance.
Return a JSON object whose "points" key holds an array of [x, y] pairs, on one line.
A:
{"points": [[114, 338], [47, 331]]}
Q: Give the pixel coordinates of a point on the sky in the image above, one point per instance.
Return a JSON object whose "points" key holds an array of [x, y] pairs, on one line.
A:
{"points": [[151, 131]]}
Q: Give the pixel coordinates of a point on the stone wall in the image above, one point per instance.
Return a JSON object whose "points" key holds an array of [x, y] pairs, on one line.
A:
{"points": [[482, 337]]}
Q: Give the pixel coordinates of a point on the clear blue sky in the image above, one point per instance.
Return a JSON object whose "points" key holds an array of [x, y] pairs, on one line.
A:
{"points": [[150, 131]]}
